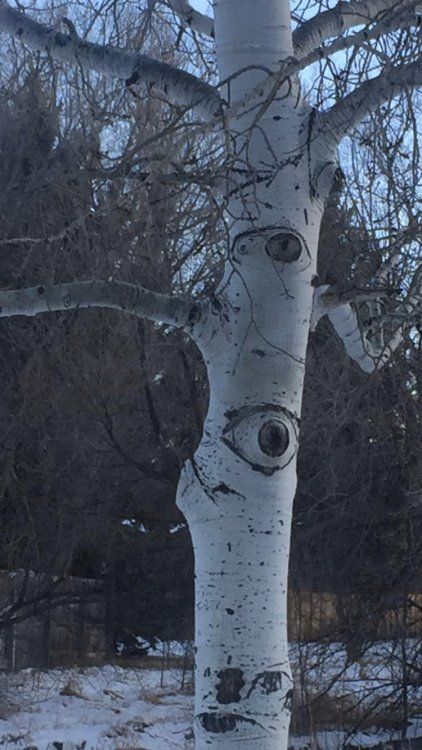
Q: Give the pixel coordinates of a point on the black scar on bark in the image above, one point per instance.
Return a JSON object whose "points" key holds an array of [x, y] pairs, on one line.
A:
{"points": [[133, 79], [219, 724], [194, 314], [62, 40], [230, 685], [273, 438], [288, 701], [284, 247], [270, 682], [224, 489]]}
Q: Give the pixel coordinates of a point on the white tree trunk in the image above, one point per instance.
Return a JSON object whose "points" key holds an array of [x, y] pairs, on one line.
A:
{"points": [[237, 492]]}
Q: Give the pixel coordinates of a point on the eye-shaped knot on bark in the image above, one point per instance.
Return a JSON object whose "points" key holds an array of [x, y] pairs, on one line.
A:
{"points": [[273, 438], [282, 245], [264, 436]]}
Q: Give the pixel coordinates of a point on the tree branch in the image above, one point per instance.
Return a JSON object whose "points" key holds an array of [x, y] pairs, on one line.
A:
{"points": [[405, 17], [116, 295], [365, 340], [332, 23], [192, 18], [345, 322], [348, 112], [131, 67], [389, 23]]}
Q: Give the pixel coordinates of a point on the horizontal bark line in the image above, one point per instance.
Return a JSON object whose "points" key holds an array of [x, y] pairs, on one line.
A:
{"points": [[116, 295], [131, 67]]}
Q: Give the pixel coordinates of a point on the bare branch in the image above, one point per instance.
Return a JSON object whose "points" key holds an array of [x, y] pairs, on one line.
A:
{"points": [[365, 339], [369, 96], [84, 294], [131, 67], [389, 23], [334, 22], [327, 298], [192, 18]]}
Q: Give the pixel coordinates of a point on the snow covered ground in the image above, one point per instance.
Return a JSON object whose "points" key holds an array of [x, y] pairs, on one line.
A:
{"points": [[121, 708], [104, 708]]}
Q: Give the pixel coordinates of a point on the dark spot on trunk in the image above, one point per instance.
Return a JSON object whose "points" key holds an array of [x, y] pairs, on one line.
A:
{"points": [[306, 216], [270, 682], [40, 290], [133, 79], [284, 247], [230, 611], [19, 32], [288, 701], [273, 438], [61, 39], [194, 314], [259, 352], [224, 489], [218, 724], [230, 685], [221, 723]]}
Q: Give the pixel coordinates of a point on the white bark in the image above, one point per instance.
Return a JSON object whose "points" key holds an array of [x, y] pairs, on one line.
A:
{"points": [[192, 18], [401, 20], [370, 356], [85, 294], [131, 67], [238, 490], [368, 344], [348, 112], [345, 15]]}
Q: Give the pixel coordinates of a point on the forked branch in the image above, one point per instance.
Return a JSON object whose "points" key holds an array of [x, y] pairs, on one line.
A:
{"points": [[131, 67], [116, 295]]}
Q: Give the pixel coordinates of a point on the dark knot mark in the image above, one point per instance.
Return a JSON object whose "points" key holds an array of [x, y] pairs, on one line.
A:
{"points": [[230, 685], [134, 78], [273, 438], [284, 247], [221, 723], [270, 682]]}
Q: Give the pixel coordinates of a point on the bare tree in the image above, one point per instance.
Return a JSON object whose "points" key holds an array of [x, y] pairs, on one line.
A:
{"points": [[275, 177]]}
